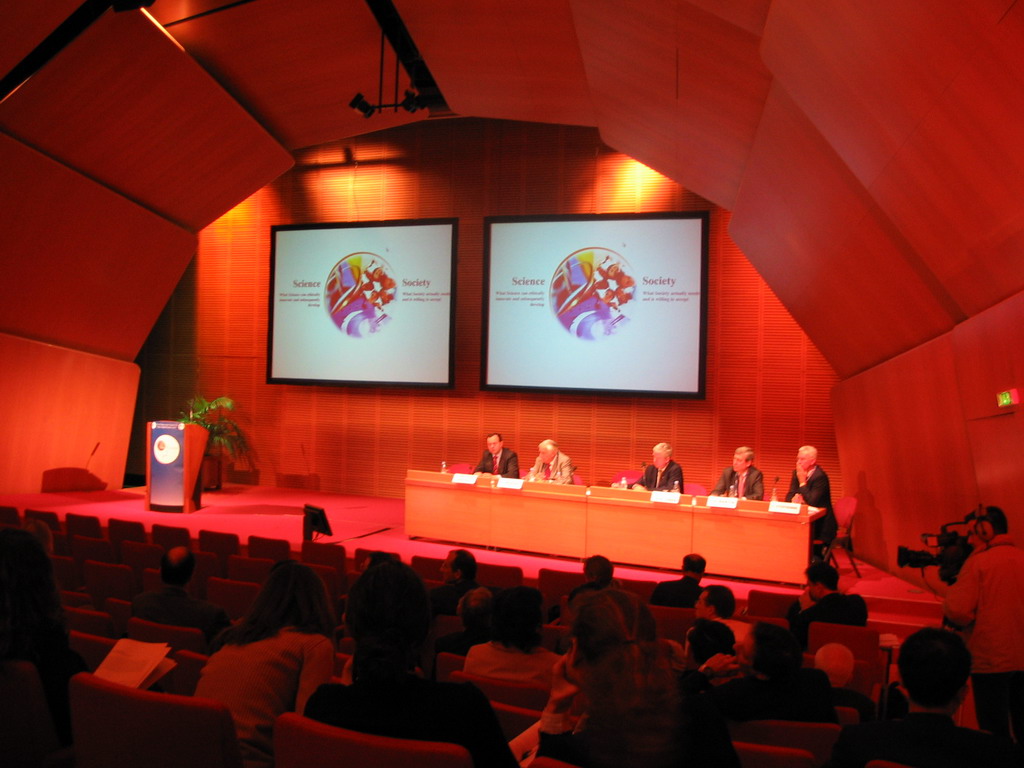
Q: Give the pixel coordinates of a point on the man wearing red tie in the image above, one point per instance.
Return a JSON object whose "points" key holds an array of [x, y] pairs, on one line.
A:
{"points": [[662, 474], [742, 479], [498, 460]]}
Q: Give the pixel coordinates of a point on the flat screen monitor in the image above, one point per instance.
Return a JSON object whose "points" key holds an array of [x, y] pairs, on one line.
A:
{"points": [[368, 303], [314, 520], [615, 304]]}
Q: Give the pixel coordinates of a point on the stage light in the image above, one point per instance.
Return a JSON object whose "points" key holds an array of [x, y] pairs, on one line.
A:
{"points": [[410, 103], [361, 105]]}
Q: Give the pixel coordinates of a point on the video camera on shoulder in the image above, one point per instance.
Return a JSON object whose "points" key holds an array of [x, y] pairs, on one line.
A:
{"points": [[952, 545]]}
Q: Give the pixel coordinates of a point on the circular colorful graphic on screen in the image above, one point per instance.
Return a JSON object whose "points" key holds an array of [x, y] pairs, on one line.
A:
{"points": [[166, 449], [589, 290], [357, 290]]}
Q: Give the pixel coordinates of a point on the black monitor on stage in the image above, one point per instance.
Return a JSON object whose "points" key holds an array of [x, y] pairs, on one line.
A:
{"points": [[314, 520]]}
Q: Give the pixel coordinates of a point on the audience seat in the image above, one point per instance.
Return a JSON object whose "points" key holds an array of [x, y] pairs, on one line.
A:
{"points": [[861, 640], [119, 531], [553, 637], [120, 611], [816, 738], [170, 536], [768, 756], [255, 569], [67, 573], [361, 554], [103, 580], [761, 602], [497, 576], [179, 638], [207, 566], [445, 664], [331, 555], [184, 678], [514, 720], [9, 517], [269, 549], [300, 742], [138, 555], [90, 621], [83, 525], [640, 588], [115, 725], [92, 648], [88, 548], [75, 598], [222, 544], [45, 516], [526, 695], [235, 597], [776, 620], [673, 623], [26, 729], [554, 584], [428, 567]]}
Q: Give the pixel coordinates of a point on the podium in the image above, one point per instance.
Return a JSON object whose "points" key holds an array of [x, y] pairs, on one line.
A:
{"points": [[174, 459]]}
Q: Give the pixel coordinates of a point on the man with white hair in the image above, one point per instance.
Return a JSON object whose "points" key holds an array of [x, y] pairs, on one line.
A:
{"points": [[662, 474], [809, 485], [552, 465]]}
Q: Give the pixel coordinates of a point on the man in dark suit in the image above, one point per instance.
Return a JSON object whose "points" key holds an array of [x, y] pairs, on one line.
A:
{"points": [[662, 474], [498, 460], [682, 593], [934, 665], [822, 601], [459, 574], [809, 486], [173, 605], [742, 479]]}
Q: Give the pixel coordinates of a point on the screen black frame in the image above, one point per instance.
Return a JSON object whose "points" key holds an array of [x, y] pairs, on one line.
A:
{"points": [[314, 520], [705, 238], [449, 384]]}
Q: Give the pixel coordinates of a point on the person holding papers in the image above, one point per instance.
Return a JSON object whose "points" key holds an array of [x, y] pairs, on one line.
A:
{"points": [[662, 474], [552, 466], [498, 460], [742, 480], [809, 486]]}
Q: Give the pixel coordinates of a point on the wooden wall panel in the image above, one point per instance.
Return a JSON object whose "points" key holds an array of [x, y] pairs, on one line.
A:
{"points": [[768, 386], [71, 417]]}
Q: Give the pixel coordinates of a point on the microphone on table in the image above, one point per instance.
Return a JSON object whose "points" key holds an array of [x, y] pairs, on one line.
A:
{"points": [[775, 487]]}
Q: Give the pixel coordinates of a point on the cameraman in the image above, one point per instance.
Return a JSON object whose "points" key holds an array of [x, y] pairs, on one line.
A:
{"points": [[987, 600]]}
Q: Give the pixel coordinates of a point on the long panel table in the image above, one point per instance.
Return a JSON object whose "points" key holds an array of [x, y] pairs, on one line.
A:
{"points": [[623, 525]]}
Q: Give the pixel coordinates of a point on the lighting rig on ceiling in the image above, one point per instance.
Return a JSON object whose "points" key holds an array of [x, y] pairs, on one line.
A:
{"points": [[411, 103]]}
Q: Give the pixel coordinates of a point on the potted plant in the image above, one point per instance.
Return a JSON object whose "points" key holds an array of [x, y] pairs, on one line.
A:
{"points": [[226, 437]]}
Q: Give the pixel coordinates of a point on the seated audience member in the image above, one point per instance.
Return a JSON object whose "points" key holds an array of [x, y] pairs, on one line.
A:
{"points": [[388, 614], [717, 603], [635, 715], [822, 601], [515, 652], [704, 639], [682, 593], [742, 479], [475, 609], [173, 605], [273, 659], [837, 661], [771, 686], [662, 474], [934, 665], [458, 571], [32, 622], [41, 531], [599, 573]]}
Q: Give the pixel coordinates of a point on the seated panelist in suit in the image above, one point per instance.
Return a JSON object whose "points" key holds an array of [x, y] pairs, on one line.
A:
{"points": [[662, 474], [810, 486], [552, 465], [742, 479], [498, 460]]}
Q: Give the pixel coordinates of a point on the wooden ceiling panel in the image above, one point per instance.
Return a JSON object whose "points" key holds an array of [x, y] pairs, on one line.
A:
{"points": [[26, 25], [127, 107], [955, 187], [827, 251], [493, 58], [314, 57], [676, 88], [745, 14], [83, 267]]}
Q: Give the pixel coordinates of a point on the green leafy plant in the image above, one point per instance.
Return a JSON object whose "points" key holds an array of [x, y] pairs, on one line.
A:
{"points": [[226, 436]]}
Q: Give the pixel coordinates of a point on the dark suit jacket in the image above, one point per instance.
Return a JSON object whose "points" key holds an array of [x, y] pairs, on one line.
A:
{"points": [[816, 493], [921, 739], [673, 473], [681, 593], [834, 608], [174, 606], [807, 697], [508, 463], [754, 488], [445, 599]]}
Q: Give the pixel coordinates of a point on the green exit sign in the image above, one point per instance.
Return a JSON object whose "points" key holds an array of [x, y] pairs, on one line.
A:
{"points": [[1008, 398]]}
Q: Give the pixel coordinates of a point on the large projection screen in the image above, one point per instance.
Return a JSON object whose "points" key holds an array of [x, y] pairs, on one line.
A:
{"points": [[362, 303], [608, 303]]}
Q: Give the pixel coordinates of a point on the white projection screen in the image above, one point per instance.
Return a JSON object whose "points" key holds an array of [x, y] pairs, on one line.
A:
{"points": [[614, 304], [367, 303]]}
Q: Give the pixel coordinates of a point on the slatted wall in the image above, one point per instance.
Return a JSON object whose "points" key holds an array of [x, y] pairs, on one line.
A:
{"points": [[767, 386]]}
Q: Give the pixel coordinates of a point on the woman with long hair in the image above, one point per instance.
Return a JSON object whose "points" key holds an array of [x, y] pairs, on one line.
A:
{"points": [[274, 658]]}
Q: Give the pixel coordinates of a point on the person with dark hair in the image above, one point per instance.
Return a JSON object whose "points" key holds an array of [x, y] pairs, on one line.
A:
{"points": [[717, 603], [599, 573], [475, 609], [458, 571], [388, 614], [273, 660], [635, 713], [706, 638], [742, 480], [32, 622], [772, 685], [934, 665], [682, 593], [821, 600], [988, 601], [497, 459], [515, 652], [173, 604]]}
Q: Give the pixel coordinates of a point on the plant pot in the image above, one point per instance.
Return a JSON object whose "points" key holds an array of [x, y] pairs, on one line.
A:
{"points": [[212, 472]]}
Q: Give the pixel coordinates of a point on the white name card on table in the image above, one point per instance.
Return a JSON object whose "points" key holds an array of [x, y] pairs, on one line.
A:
{"points": [[785, 507], [462, 478], [511, 482], [665, 497], [723, 502]]}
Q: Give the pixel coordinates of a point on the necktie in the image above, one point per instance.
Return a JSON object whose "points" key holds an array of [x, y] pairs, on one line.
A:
{"points": [[547, 471], [657, 484], [739, 486], [495, 464]]}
